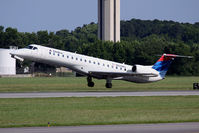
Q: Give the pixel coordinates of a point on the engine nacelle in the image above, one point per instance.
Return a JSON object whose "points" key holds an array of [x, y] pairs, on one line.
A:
{"points": [[134, 68], [142, 69]]}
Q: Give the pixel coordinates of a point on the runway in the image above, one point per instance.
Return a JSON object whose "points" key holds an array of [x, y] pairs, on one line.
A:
{"points": [[130, 128], [96, 94]]}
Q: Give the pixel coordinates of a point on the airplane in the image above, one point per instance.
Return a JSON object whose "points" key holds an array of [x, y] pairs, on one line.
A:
{"points": [[97, 68]]}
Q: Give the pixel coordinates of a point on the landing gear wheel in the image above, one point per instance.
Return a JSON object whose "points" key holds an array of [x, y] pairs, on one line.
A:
{"points": [[108, 85], [91, 84]]}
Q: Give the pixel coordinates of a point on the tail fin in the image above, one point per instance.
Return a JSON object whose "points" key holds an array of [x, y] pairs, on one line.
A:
{"points": [[162, 65]]}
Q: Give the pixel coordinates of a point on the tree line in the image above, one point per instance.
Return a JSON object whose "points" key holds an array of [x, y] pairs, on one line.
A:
{"points": [[141, 42]]}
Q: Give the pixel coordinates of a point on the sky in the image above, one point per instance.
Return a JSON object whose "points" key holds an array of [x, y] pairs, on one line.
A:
{"points": [[54, 15]]}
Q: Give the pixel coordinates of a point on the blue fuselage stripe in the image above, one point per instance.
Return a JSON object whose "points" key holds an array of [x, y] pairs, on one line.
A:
{"points": [[162, 67]]}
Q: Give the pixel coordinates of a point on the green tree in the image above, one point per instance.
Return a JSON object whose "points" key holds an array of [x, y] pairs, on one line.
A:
{"points": [[43, 37]]}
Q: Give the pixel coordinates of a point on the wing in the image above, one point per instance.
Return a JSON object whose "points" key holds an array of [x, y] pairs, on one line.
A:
{"points": [[119, 74]]}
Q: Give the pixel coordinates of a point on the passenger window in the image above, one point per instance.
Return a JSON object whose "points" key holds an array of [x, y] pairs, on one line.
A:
{"points": [[80, 59], [76, 58], [98, 63], [62, 55], [89, 61], [85, 60], [58, 54], [71, 57]]}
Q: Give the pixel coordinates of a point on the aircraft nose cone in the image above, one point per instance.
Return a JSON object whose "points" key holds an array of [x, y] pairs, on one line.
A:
{"points": [[17, 54]]}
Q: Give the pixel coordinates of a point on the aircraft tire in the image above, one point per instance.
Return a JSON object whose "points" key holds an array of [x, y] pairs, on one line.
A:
{"points": [[108, 85], [91, 84]]}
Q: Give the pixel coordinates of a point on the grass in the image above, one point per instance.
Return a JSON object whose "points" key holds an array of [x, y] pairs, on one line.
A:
{"points": [[92, 111], [80, 84]]}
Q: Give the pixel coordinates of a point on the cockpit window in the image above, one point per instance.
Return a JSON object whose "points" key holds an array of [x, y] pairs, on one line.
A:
{"points": [[35, 48], [29, 47]]}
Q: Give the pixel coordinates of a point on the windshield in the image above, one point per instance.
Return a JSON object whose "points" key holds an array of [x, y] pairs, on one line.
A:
{"points": [[29, 47], [35, 48]]}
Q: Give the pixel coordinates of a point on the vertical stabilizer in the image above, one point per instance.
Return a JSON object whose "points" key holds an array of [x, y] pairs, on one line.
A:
{"points": [[162, 65]]}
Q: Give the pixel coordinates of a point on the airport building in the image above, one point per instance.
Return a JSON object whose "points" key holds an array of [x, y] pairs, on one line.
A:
{"points": [[7, 63], [109, 20]]}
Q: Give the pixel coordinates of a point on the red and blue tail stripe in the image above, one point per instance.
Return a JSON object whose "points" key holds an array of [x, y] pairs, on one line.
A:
{"points": [[162, 65]]}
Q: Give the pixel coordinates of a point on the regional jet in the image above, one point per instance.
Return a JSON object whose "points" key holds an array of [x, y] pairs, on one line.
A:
{"points": [[97, 68]]}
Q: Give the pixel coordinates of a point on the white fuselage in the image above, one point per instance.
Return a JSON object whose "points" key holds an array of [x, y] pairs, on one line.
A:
{"points": [[84, 64]]}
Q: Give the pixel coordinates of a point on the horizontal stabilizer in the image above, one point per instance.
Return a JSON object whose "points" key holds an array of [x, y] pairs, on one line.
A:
{"points": [[178, 56]]}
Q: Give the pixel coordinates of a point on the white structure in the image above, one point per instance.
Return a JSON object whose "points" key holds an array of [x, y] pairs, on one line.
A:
{"points": [[7, 63], [109, 20]]}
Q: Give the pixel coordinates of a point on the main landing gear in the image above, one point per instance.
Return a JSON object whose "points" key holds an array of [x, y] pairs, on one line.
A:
{"points": [[91, 83], [108, 83]]}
